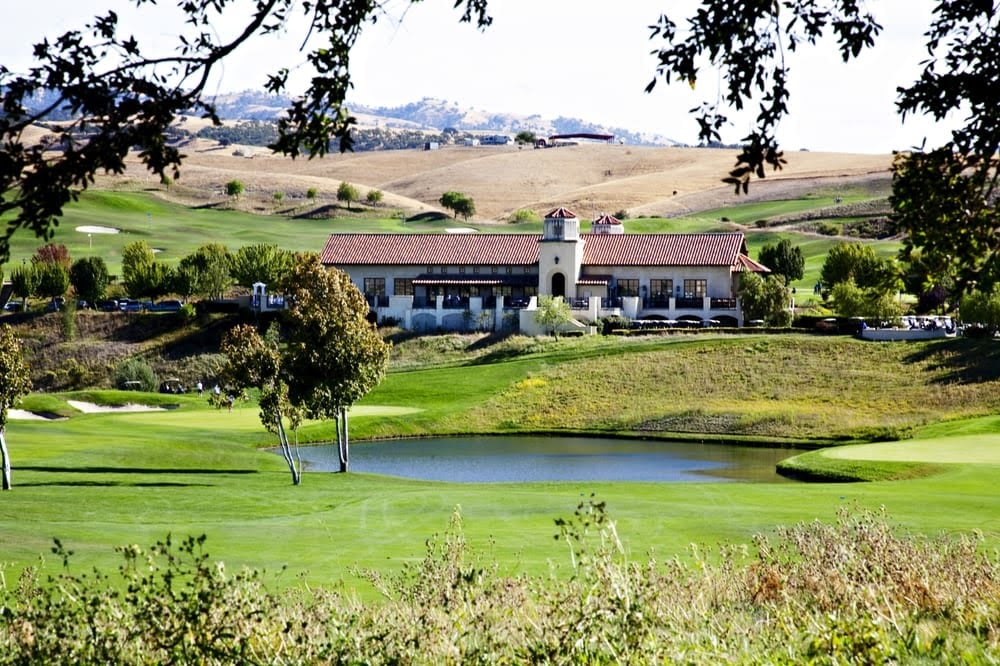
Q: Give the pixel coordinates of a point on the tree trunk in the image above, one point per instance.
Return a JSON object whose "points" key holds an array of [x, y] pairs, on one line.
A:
{"points": [[347, 441], [286, 452], [4, 461], [342, 446]]}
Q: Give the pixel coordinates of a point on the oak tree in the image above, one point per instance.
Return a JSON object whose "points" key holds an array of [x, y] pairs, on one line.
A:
{"points": [[945, 197], [330, 357]]}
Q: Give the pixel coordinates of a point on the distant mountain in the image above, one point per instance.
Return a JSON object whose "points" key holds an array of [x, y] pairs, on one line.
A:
{"points": [[431, 116], [434, 116]]}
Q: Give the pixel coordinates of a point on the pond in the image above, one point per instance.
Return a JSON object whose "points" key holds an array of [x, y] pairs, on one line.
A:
{"points": [[537, 458]]}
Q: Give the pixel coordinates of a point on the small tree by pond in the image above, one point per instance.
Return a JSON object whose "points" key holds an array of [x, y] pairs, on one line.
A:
{"points": [[14, 383], [331, 357]]}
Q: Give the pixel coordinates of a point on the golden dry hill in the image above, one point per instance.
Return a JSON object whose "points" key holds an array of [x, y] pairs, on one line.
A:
{"points": [[653, 181]]}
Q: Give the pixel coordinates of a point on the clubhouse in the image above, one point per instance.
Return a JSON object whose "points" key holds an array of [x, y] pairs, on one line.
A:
{"points": [[462, 281]]}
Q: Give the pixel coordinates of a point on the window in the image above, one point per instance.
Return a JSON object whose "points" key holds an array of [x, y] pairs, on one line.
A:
{"points": [[510, 270], [695, 288], [475, 269], [527, 270], [493, 269], [628, 287], [430, 269], [461, 269], [444, 270], [403, 287], [374, 286], [660, 287]]}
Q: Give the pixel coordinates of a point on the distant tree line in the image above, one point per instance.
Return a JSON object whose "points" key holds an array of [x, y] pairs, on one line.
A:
{"points": [[209, 272]]}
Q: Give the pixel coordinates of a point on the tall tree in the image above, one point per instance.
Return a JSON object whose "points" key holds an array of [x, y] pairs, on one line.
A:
{"points": [[859, 262], [262, 262], [210, 264], [90, 278], [765, 298], [24, 280], [53, 280], [137, 265], [332, 356], [784, 259], [14, 383]]}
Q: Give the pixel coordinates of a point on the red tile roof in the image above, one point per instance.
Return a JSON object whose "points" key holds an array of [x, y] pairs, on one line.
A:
{"points": [[607, 219], [724, 249], [427, 249], [560, 213], [746, 264], [663, 249]]}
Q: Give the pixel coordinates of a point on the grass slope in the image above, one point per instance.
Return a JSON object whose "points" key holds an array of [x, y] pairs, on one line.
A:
{"points": [[97, 481]]}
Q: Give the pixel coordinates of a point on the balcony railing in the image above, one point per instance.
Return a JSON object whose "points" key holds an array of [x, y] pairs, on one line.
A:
{"points": [[723, 303], [690, 303], [657, 302], [579, 303]]}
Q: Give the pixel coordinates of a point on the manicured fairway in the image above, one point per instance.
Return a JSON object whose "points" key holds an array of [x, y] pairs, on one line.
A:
{"points": [[97, 481]]}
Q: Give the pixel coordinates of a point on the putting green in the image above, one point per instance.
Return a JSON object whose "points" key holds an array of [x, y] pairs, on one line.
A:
{"points": [[981, 449]]}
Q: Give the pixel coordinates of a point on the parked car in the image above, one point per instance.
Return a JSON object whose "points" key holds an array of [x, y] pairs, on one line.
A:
{"points": [[55, 305], [14, 306], [110, 305], [129, 305], [165, 306]]}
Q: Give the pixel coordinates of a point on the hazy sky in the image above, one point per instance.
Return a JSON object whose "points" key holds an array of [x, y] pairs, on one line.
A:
{"points": [[575, 58]]}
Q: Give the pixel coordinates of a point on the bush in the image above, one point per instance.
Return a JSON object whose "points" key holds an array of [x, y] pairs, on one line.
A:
{"points": [[827, 229], [135, 369], [524, 215], [854, 591], [614, 323]]}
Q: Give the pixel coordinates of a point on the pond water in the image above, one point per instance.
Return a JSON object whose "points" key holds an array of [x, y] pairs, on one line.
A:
{"points": [[534, 458]]}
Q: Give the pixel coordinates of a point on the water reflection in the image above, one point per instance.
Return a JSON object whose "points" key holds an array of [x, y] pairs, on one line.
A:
{"points": [[524, 458]]}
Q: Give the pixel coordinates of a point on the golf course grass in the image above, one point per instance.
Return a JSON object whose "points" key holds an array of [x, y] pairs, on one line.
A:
{"points": [[101, 480]]}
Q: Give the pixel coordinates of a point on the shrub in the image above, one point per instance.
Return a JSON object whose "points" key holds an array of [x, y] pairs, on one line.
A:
{"points": [[524, 215], [135, 369], [827, 229], [613, 323]]}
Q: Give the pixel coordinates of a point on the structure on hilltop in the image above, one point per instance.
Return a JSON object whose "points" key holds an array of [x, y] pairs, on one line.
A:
{"points": [[489, 281]]}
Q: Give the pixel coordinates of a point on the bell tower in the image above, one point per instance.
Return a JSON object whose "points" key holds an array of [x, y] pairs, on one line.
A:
{"points": [[560, 254]]}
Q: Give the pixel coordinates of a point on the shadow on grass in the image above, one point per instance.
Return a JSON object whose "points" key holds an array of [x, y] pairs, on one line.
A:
{"points": [[962, 360], [112, 484], [133, 470]]}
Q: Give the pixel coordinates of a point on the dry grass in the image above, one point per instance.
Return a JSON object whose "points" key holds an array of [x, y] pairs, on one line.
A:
{"points": [[588, 178]]}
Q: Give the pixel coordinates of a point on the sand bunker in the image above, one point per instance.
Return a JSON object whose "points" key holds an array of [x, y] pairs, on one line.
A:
{"points": [[25, 415], [91, 408], [98, 230]]}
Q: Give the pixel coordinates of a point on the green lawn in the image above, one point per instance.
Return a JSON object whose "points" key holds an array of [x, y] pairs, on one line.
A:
{"points": [[97, 481]]}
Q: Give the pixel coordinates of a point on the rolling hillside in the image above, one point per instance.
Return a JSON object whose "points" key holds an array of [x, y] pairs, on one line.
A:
{"points": [[644, 181]]}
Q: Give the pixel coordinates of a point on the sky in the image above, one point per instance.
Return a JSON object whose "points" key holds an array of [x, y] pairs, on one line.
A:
{"points": [[579, 59]]}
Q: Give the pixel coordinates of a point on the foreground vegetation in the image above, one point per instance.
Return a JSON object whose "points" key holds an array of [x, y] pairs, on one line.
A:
{"points": [[337, 569], [853, 592]]}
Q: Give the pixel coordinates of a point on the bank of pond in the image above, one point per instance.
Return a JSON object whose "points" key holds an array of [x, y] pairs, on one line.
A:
{"points": [[536, 458]]}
